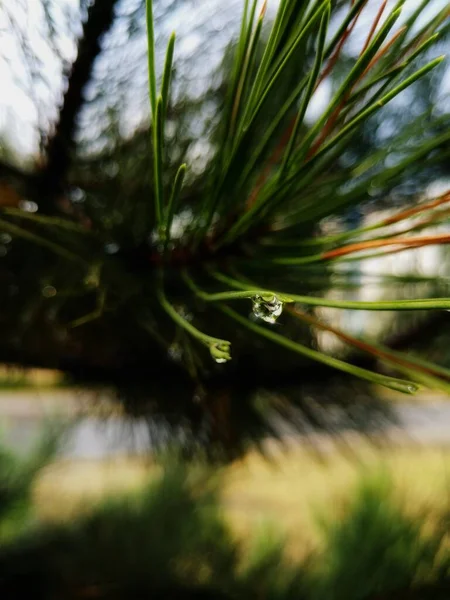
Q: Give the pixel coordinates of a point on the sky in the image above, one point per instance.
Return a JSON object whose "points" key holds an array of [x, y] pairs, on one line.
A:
{"points": [[31, 90]]}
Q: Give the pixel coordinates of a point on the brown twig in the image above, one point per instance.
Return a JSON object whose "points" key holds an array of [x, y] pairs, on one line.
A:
{"points": [[374, 25], [410, 212], [336, 113], [274, 158], [383, 50], [333, 118], [375, 351], [416, 242], [335, 56], [277, 153]]}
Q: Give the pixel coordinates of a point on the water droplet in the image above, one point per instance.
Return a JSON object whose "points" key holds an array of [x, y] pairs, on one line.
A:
{"points": [[77, 195], [197, 399], [183, 312], [111, 169], [220, 352], [49, 291], [112, 248], [175, 352], [92, 279], [5, 238], [404, 386], [28, 206], [267, 308]]}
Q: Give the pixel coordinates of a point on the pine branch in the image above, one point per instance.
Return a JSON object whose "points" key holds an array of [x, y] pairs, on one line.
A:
{"points": [[158, 264]]}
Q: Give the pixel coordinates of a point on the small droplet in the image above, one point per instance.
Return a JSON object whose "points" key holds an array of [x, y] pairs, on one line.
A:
{"points": [[175, 352], [111, 169], [183, 312], [404, 386], [28, 206], [77, 195], [268, 309], [220, 352], [112, 248], [49, 291], [92, 279], [5, 238]]}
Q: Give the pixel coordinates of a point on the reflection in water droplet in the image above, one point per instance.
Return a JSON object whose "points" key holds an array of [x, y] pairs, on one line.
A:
{"points": [[49, 291], [182, 311], [268, 309], [77, 195], [28, 206], [175, 352], [112, 248], [111, 169]]}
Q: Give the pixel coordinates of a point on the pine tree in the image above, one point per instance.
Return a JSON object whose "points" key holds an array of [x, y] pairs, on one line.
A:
{"points": [[148, 287]]}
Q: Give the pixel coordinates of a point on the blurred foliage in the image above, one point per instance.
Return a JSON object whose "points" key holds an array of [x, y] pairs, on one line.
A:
{"points": [[17, 477], [170, 539], [377, 548]]}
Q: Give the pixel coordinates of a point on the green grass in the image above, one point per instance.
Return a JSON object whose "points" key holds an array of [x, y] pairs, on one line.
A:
{"points": [[291, 528], [291, 491], [13, 378], [376, 547], [169, 527]]}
